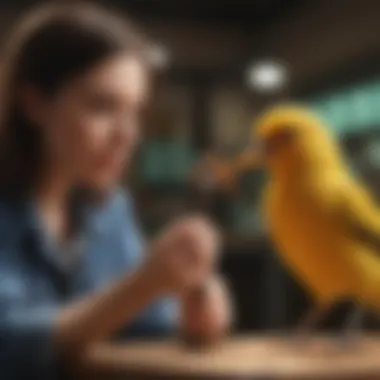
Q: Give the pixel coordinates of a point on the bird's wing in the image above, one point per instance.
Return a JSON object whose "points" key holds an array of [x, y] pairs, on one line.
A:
{"points": [[359, 215]]}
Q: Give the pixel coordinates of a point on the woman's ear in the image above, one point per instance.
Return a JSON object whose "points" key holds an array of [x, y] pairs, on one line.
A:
{"points": [[33, 104]]}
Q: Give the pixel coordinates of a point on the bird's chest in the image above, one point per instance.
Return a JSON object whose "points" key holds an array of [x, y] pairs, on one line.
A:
{"points": [[309, 244], [301, 228]]}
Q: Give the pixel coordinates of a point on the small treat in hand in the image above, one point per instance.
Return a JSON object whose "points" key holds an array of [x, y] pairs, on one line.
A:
{"points": [[206, 314], [184, 254]]}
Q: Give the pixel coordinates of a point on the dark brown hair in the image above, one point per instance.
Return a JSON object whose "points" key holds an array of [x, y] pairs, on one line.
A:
{"points": [[48, 47]]}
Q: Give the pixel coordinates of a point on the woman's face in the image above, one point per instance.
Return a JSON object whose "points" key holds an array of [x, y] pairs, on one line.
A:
{"points": [[91, 124]]}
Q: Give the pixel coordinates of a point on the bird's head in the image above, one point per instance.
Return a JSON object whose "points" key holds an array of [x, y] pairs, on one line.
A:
{"points": [[291, 139]]}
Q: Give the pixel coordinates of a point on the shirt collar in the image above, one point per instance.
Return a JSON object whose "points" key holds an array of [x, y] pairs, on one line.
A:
{"points": [[92, 217], [98, 214], [37, 239]]}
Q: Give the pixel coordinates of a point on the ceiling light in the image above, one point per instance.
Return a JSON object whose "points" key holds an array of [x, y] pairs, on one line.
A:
{"points": [[268, 76]]}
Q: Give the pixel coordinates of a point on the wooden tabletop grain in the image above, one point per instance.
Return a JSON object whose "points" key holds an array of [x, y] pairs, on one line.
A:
{"points": [[246, 357]]}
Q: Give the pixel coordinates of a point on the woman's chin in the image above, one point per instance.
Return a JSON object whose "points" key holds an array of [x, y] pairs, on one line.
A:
{"points": [[105, 178], [103, 183]]}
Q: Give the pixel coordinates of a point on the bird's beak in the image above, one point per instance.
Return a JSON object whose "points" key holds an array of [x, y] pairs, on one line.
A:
{"points": [[260, 152], [254, 156]]}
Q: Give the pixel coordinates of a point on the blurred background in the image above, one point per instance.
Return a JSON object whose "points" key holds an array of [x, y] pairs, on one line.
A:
{"points": [[222, 63]]}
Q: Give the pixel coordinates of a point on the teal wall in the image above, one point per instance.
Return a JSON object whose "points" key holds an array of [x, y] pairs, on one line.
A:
{"points": [[351, 108], [165, 162], [354, 110]]}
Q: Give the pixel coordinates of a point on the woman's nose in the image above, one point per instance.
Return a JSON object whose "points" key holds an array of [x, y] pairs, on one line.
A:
{"points": [[125, 133]]}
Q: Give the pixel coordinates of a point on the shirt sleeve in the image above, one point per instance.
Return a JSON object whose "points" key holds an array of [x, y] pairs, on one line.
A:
{"points": [[26, 344], [160, 318]]}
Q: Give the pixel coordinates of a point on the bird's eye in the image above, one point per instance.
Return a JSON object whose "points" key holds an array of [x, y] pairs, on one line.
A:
{"points": [[286, 133], [281, 138]]}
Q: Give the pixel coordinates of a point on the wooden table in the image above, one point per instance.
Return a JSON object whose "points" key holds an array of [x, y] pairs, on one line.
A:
{"points": [[259, 357]]}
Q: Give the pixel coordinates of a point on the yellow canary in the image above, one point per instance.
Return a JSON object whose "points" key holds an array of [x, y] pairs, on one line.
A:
{"points": [[324, 223]]}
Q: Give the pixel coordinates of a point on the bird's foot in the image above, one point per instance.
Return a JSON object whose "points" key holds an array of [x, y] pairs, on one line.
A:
{"points": [[352, 329], [349, 340], [303, 336], [301, 339]]}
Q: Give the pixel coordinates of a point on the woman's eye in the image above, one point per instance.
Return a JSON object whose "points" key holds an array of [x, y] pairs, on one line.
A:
{"points": [[102, 104]]}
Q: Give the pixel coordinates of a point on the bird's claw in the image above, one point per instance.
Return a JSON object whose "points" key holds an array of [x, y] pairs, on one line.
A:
{"points": [[300, 339], [349, 341]]}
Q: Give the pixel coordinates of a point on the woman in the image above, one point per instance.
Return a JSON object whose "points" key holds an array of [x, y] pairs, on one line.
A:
{"points": [[71, 270]]}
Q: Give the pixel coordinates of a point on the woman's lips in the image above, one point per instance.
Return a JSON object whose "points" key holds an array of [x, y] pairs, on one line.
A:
{"points": [[111, 165]]}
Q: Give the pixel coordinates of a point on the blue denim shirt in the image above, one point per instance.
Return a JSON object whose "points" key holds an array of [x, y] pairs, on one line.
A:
{"points": [[35, 283]]}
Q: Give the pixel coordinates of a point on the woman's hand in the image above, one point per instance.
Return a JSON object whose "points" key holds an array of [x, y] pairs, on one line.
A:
{"points": [[184, 255], [181, 259], [207, 313]]}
